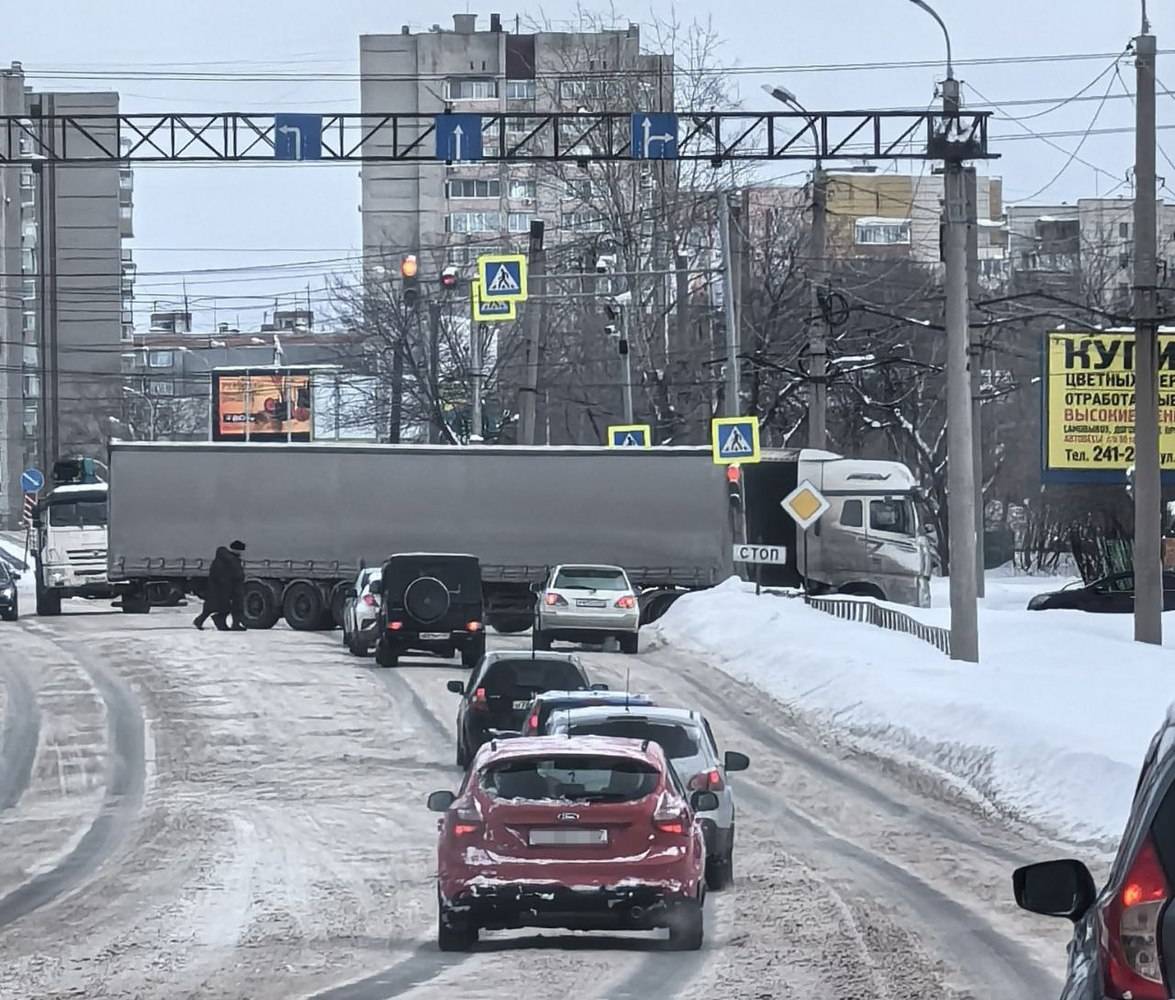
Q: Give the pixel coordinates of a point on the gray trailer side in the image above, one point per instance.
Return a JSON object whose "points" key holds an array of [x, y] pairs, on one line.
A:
{"points": [[310, 513]]}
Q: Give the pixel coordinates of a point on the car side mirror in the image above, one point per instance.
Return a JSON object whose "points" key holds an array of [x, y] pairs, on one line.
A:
{"points": [[732, 760], [438, 802], [537, 588], [703, 801], [1055, 889], [599, 687], [457, 687], [376, 587]]}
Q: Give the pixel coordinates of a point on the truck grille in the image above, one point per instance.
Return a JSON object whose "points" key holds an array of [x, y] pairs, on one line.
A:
{"points": [[83, 557]]}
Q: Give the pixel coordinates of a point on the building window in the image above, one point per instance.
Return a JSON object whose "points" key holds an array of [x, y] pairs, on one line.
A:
{"points": [[580, 188], [473, 222], [30, 421], [575, 136], [1124, 230], [1123, 291], [28, 288], [469, 187], [581, 90], [518, 129], [28, 261], [26, 178], [882, 232], [162, 387], [523, 189], [520, 90], [160, 359], [28, 234], [32, 386], [518, 222], [28, 321], [584, 222], [1124, 260], [471, 90]]}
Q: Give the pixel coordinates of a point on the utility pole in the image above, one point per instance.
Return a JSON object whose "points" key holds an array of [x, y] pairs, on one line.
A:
{"points": [[1148, 567], [434, 372], [960, 456], [731, 396], [626, 357], [976, 367], [532, 329], [818, 342], [475, 335]]}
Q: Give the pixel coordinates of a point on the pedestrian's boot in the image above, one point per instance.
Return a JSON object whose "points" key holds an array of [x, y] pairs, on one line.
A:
{"points": [[219, 622], [238, 627], [198, 621]]}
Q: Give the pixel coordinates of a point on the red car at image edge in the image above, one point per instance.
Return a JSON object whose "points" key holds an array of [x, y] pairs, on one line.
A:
{"points": [[582, 833]]}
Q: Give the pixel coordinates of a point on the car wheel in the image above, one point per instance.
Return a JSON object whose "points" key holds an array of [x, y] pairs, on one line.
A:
{"points": [[454, 932], [720, 872], [630, 644], [385, 656], [687, 927], [356, 648], [540, 640], [10, 616]]}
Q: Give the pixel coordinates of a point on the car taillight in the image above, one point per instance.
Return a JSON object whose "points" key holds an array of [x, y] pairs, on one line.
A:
{"points": [[554, 600], [467, 823], [473, 627], [669, 818], [1132, 930], [369, 600], [627, 601], [395, 626], [532, 724], [479, 699], [707, 781]]}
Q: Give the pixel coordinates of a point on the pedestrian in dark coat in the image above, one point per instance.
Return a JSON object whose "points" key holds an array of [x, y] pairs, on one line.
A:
{"points": [[237, 594], [226, 578]]}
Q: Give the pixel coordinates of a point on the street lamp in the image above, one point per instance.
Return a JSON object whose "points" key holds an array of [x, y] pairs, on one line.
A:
{"points": [[946, 34], [150, 406], [785, 96]]}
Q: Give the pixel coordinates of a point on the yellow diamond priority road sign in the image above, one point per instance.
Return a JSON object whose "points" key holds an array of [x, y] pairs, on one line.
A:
{"points": [[805, 504]]}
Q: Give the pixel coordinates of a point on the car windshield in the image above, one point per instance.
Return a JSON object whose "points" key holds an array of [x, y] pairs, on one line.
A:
{"points": [[589, 578], [524, 678], [577, 778], [677, 740], [77, 514]]}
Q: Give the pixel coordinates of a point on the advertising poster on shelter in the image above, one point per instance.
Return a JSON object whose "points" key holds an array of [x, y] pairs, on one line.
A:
{"points": [[1089, 405], [261, 406]]}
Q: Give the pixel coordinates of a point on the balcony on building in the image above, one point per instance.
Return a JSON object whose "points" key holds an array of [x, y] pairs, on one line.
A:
{"points": [[172, 321]]}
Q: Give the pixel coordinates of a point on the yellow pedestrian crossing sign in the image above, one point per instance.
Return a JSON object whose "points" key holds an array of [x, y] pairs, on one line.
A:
{"points": [[502, 277], [734, 439], [491, 312], [630, 436]]}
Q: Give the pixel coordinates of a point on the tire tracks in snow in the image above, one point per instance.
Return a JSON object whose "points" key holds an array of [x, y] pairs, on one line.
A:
{"points": [[21, 732], [125, 783]]}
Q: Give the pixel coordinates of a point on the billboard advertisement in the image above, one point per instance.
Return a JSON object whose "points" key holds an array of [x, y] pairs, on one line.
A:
{"points": [[1089, 406], [261, 404]]}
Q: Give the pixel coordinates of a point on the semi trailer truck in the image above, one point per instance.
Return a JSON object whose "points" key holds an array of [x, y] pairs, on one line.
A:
{"points": [[312, 514]]}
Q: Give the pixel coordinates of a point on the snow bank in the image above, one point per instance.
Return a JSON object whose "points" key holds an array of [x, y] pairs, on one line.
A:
{"points": [[1050, 727]]}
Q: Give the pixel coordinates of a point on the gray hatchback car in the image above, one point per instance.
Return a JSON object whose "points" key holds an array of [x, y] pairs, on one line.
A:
{"points": [[689, 743]]}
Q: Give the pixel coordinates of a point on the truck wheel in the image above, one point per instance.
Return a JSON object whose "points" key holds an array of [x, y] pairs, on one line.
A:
{"points": [[473, 652], [48, 604], [262, 609], [136, 602], [385, 656], [630, 644], [539, 640], [303, 606]]}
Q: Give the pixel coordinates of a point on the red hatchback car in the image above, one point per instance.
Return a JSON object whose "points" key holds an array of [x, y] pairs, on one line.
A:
{"points": [[584, 833]]}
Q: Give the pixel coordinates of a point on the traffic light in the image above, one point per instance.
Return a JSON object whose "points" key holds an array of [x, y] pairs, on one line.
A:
{"points": [[408, 276], [449, 277], [734, 485]]}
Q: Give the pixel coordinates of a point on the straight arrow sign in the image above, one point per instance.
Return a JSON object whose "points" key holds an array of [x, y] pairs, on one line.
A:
{"points": [[458, 132]]}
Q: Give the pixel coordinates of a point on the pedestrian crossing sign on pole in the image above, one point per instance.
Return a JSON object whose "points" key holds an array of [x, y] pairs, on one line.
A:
{"points": [[630, 436], [502, 277], [490, 312], [734, 439]]}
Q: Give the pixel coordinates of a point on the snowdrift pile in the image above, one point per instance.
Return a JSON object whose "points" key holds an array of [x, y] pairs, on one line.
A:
{"points": [[1050, 727]]}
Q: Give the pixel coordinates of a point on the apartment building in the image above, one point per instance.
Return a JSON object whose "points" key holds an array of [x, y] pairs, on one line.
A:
{"points": [[1084, 250], [68, 286], [448, 214]]}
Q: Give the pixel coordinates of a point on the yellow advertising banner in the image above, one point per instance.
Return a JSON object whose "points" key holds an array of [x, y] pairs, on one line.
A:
{"points": [[261, 406], [1089, 404]]}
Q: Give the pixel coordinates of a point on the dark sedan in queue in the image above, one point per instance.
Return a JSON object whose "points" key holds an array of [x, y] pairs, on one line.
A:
{"points": [[1112, 594]]}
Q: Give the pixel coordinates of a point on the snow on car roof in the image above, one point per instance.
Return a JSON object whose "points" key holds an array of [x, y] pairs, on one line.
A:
{"points": [[537, 746], [655, 713], [79, 488], [603, 696]]}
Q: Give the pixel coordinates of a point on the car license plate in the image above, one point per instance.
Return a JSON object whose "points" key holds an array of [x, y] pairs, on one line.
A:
{"points": [[541, 838], [434, 635], [590, 602], [521, 706]]}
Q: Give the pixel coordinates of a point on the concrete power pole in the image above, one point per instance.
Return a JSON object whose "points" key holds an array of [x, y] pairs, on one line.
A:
{"points": [[731, 395], [475, 365], [1148, 568], [818, 342], [532, 327], [976, 365], [960, 458]]}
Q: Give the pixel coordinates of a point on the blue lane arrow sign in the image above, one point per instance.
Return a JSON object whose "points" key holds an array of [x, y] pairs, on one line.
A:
{"points": [[32, 480], [458, 137], [297, 137], [654, 136]]}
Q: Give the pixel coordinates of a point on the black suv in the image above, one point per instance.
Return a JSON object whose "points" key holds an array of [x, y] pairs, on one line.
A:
{"points": [[1124, 935], [431, 602], [498, 694]]}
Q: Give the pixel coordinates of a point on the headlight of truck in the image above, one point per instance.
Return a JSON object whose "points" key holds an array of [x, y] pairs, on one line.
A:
{"points": [[54, 556]]}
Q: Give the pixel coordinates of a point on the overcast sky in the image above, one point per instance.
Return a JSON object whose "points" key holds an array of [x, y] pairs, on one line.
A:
{"points": [[191, 218]]}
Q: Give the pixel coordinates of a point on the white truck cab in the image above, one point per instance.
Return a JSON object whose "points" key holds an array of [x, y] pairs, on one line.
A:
{"points": [[71, 545]]}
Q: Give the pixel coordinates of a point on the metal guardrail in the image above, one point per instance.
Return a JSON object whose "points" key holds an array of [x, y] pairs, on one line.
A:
{"points": [[858, 610]]}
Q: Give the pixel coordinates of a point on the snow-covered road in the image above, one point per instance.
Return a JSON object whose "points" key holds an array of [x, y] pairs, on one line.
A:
{"points": [[242, 815]]}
